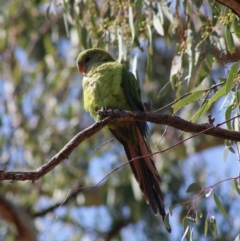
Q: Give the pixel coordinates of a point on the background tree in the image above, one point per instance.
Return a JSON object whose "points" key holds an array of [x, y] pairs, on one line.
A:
{"points": [[174, 48]]}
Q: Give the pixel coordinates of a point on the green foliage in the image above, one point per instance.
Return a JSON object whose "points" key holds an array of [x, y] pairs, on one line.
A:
{"points": [[207, 105], [206, 227], [194, 187], [232, 77], [189, 99], [166, 221], [236, 185], [219, 205], [213, 225]]}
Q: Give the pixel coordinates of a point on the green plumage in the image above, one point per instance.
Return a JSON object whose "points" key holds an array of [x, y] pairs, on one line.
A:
{"points": [[105, 77], [103, 88], [109, 84]]}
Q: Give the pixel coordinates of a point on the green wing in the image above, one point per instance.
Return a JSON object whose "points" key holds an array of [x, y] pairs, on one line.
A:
{"points": [[131, 90], [132, 93]]}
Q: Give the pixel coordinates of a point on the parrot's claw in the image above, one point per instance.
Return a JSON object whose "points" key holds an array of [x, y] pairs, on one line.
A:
{"points": [[105, 112], [148, 106]]}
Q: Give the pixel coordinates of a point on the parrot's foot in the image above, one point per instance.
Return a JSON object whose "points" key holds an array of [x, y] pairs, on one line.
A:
{"points": [[105, 112], [148, 106]]}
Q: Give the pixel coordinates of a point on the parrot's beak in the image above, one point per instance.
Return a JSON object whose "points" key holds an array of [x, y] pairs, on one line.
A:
{"points": [[81, 68]]}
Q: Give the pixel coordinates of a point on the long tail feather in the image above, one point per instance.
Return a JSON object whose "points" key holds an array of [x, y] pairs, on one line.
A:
{"points": [[145, 173]]}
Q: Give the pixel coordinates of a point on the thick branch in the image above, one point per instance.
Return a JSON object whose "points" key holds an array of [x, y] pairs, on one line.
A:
{"points": [[116, 228], [119, 116], [19, 218], [59, 157], [234, 5], [183, 125]]}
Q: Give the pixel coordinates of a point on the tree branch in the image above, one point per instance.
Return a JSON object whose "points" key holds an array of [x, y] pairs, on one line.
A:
{"points": [[71, 195], [234, 5], [17, 216], [116, 228], [119, 116]]}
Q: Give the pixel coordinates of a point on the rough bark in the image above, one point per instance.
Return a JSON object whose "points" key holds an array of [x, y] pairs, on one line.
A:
{"points": [[234, 5], [121, 116]]}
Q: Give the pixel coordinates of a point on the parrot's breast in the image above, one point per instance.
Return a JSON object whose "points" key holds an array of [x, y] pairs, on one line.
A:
{"points": [[102, 88]]}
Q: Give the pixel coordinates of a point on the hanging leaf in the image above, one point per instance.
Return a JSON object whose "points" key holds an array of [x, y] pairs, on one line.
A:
{"points": [[170, 208], [166, 89], [176, 68], [219, 205], [134, 66], [236, 185], [206, 227], [66, 24], [229, 39], [200, 71], [84, 36], [189, 99], [208, 104], [160, 13], [190, 54], [228, 145], [166, 222], [231, 77], [65, 14], [236, 122], [237, 96], [131, 22], [228, 116], [236, 27], [194, 187], [121, 44], [186, 229], [158, 25], [213, 225], [49, 10], [149, 34], [193, 216]]}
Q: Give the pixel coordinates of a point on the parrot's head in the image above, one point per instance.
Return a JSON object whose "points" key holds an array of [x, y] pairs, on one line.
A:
{"points": [[90, 57]]}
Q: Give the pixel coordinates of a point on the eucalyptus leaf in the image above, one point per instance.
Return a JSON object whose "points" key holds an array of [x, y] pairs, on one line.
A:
{"points": [[194, 187], [219, 205], [209, 103], [236, 185], [186, 229], [189, 99], [170, 208], [206, 227], [166, 222], [236, 27], [84, 36], [131, 22], [231, 77], [213, 225], [229, 39], [228, 113], [158, 25]]}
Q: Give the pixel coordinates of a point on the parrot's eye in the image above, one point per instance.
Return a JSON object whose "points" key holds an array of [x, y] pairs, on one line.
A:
{"points": [[87, 59]]}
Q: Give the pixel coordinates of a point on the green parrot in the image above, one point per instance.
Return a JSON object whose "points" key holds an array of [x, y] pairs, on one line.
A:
{"points": [[109, 84]]}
